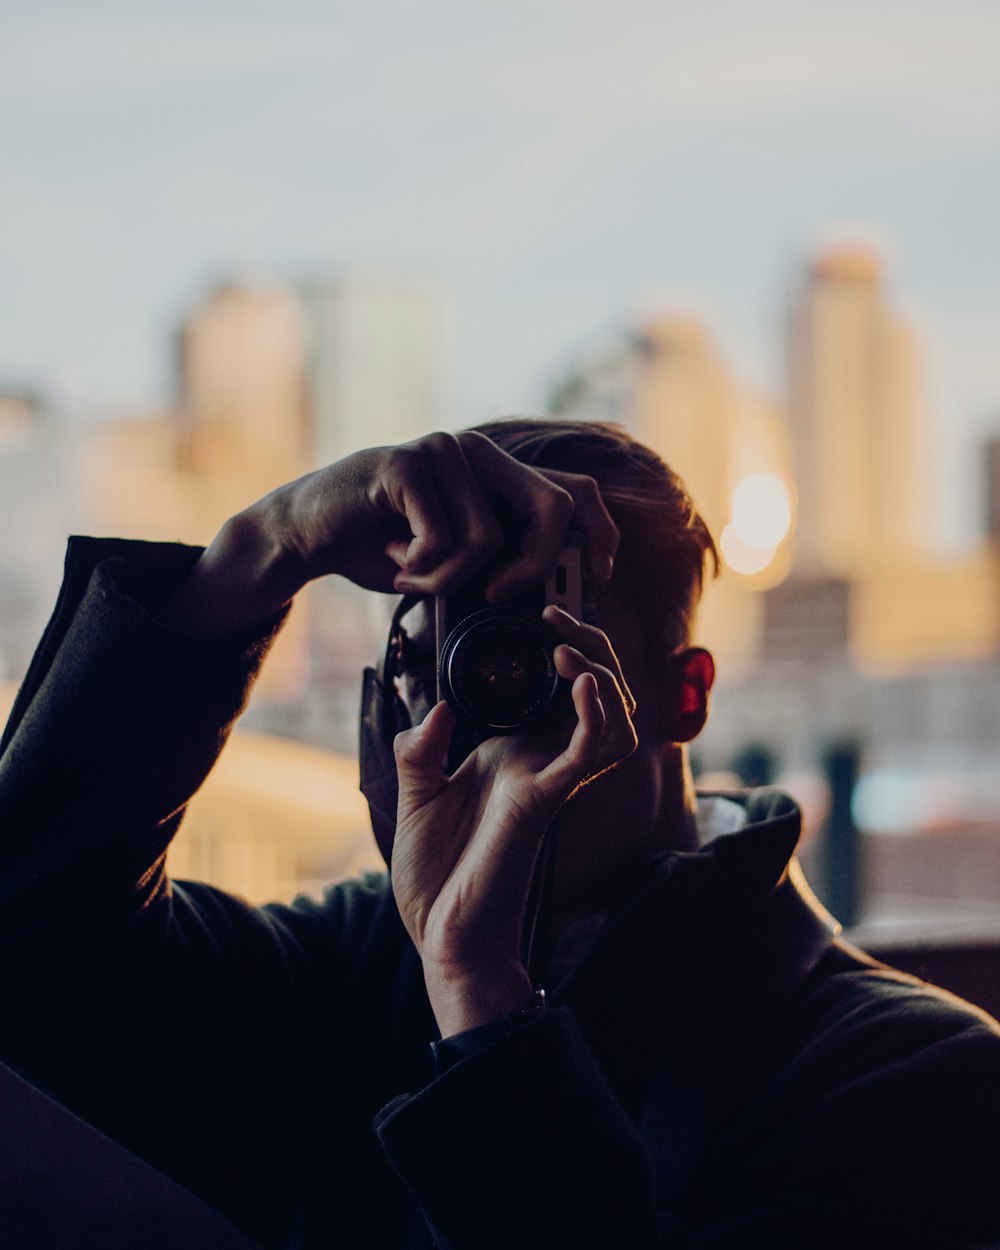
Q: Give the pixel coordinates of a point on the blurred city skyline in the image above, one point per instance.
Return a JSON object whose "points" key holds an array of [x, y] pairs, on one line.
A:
{"points": [[850, 638], [825, 484], [563, 169]]}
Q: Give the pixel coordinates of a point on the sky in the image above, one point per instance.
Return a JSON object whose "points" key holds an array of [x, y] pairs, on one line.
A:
{"points": [[560, 165]]}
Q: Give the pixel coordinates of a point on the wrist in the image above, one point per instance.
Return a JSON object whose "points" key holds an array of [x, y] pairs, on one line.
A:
{"points": [[468, 999], [245, 576]]}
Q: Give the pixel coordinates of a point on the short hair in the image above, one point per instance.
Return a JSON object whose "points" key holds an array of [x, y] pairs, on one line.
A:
{"points": [[665, 543]]}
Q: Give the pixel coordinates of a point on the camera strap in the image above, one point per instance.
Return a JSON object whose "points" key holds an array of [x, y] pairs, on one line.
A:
{"points": [[532, 934]]}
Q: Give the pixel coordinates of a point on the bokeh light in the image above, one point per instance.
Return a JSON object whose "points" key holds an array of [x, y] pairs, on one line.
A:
{"points": [[740, 556], [762, 511]]}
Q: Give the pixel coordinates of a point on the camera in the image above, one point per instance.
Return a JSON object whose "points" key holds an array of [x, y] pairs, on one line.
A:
{"points": [[496, 664]]}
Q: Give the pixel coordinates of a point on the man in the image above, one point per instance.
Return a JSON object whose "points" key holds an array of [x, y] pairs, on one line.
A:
{"points": [[711, 1067]]}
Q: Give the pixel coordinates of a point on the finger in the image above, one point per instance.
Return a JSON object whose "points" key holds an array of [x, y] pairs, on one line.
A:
{"points": [[414, 495], [594, 644], [592, 517], [420, 756], [618, 737], [571, 663], [580, 759], [476, 531], [543, 507]]}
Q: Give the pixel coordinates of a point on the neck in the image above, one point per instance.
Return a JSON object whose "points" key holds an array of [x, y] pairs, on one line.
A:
{"points": [[599, 860], [677, 830]]}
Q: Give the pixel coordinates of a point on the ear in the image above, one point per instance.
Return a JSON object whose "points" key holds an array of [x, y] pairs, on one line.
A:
{"points": [[695, 670]]}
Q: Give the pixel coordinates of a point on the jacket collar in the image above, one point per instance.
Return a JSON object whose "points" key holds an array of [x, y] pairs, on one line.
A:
{"points": [[709, 949], [698, 910]]}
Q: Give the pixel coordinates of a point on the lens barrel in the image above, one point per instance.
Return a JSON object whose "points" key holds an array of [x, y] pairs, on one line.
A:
{"points": [[497, 668]]}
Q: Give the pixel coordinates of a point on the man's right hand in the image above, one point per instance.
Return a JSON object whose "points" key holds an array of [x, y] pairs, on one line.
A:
{"points": [[419, 518]]}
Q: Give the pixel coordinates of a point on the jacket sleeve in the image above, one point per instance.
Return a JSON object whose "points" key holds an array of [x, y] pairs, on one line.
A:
{"points": [[524, 1144], [117, 723]]}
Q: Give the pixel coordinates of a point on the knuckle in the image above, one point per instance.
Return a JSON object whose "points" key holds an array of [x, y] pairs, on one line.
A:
{"points": [[472, 439], [440, 442], [483, 530], [602, 674], [596, 645], [559, 504], [407, 459], [401, 744], [485, 535], [584, 484], [595, 636], [434, 544]]}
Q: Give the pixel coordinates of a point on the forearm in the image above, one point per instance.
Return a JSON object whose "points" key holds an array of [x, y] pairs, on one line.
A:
{"points": [[244, 577], [119, 720], [524, 1144]]}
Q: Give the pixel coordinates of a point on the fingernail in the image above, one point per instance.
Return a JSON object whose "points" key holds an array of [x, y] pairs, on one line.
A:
{"points": [[559, 611]]}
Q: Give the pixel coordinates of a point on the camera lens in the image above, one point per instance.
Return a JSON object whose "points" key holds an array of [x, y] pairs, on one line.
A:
{"points": [[498, 668]]}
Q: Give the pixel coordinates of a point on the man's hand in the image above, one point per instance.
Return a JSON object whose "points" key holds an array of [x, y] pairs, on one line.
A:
{"points": [[466, 845], [420, 518]]}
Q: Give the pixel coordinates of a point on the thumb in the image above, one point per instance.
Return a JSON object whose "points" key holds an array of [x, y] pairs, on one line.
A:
{"points": [[420, 757]]}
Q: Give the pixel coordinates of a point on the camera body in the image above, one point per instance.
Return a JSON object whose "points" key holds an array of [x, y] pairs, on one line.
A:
{"points": [[495, 662]]}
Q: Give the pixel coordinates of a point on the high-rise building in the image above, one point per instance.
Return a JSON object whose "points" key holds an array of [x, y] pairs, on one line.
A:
{"points": [[685, 408], [40, 505], [377, 357], [242, 387], [242, 428], [670, 387], [21, 412], [991, 473], [855, 420]]}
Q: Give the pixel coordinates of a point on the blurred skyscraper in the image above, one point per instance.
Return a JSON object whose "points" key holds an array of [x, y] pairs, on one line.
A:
{"points": [[377, 361], [874, 636], [685, 407], [20, 418], [669, 385], [862, 470], [991, 490], [272, 382], [855, 420], [242, 427], [243, 411], [40, 505]]}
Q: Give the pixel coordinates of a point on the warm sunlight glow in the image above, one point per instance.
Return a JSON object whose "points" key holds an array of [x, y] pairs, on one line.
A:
{"points": [[762, 513], [741, 557]]}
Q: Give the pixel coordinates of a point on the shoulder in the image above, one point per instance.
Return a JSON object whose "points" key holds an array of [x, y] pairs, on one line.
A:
{"points": [[900, 1065], [859, 995], [307, 932], [877, 1084], [344, 912]]}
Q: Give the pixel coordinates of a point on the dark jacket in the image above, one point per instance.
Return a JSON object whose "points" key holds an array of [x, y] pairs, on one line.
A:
{"points": [[719, 1070]]}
